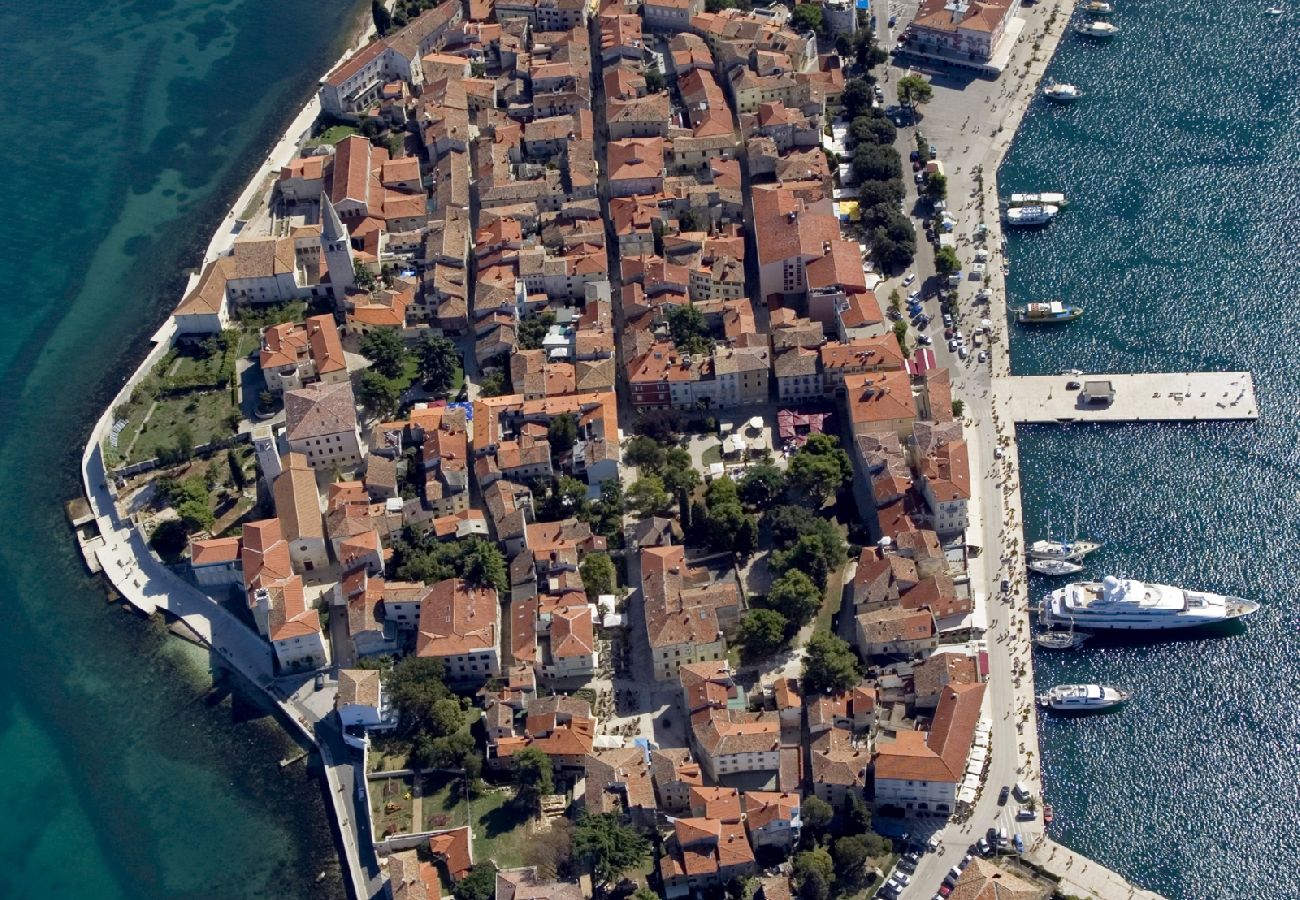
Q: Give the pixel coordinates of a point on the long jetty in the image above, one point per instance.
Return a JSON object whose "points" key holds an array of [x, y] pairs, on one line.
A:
{"points": [[1149, 397]]}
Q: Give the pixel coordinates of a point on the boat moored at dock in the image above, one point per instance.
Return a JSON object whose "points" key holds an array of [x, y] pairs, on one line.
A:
{"points": [[1054, 566], [1095, 29], [1060, 640], [1051, 313], [1072, 550], [1082, 697], [1126, 604], [1098, 8], [1028, 216], [1041, 199], [1062, 93]]}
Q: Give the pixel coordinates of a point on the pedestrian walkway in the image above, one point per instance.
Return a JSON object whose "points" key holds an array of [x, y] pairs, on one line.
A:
{"points": [[1082, 877]]}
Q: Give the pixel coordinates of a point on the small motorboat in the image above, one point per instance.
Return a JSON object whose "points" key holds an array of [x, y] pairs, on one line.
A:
{"points": [[1274, 10], [1062, 93], [1059, 640], [1047, 814], [1096, 29], [1099, 8]]}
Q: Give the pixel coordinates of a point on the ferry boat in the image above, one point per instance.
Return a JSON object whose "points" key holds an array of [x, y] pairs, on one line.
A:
{"points": [[1062, 93], [1099, 8], [1052, 313], [1062, 549], [1043, 199], [1096, 29], [1031, 215], [1082, 697], [1054, 566], [1126, 604]]}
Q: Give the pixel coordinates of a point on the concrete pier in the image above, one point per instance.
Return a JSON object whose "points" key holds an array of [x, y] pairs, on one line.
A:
{"points": [[1150, 397]]}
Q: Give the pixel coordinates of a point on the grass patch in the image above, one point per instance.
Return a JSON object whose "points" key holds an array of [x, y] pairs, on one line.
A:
{"points": [[387, 754], [711, 455], [501, 829], [333, 135], [204, 414], [391, 805]]}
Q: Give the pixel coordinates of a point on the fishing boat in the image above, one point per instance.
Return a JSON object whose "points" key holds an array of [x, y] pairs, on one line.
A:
{"points": [[1060, 640], [1097, 29], [1099, 8], [1052, 313], [1082, 698], [1054, 566]]}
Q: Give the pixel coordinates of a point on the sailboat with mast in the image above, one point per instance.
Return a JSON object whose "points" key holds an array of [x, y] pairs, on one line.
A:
{"points": [[1072, 551]]}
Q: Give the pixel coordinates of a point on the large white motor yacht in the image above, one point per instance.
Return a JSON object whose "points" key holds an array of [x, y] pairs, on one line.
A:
{"points": [[1127, 604], [1082, 697]]}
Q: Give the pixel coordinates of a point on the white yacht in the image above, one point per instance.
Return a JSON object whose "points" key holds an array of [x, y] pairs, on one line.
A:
{"points": [[1031, 215], [1054, 566], [1040, 199], [1097, 29], [1070, 550], [1122, 604], [1062, 93], [1082, 697]]}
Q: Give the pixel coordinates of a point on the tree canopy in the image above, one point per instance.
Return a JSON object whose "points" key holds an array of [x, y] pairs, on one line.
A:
{"points": [[532, 329], [762, 485], [688, 329], [439, 360], [533, 775], [425, 558], [830, 664], [820, 467], [795, 597], [808, 17], [914, 90], [856, 98], [598, 574], [609, 846], [761, 633], [872, 162], [562, 432], [379, 395], [648, 497], [814, 870], [946, 261], [869, 129], [479, 884], [385, 350], [417, 691]]}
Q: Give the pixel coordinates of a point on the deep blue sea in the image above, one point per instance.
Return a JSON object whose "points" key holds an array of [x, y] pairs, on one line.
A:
{"points": [[1182, 241], [129, 127]]}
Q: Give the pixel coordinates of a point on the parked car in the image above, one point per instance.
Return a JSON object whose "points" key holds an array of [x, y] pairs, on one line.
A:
{"points": [[998, 453], [320, 680], [909, 278], [952, 345], [894, 314], [924, 340], [962, 352], [984, 846], [1003, 795], [915, 156], [914, 297], [1025, 814], [920, 177], [947, 319], [893, 20], [984, 356], [1019, 843], [934, 152], [1072, 385]]}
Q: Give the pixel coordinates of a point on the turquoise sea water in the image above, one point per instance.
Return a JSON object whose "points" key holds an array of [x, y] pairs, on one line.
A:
{"points": [[1181, 242], [129, 126]]}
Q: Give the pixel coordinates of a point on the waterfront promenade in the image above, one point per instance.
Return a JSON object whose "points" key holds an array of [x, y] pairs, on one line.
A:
{"points": [[148, 585], [1148, 397], [973, 122]]}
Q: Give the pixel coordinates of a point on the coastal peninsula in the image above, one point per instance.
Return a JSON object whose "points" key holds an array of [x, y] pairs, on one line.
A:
{"points": [[544, 438]]}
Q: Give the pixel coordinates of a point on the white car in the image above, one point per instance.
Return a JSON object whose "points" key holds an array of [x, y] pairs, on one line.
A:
{"points": [[984, 356], [915, 295], [909, 278], [997, 453], [924, 340], [962, 352]]}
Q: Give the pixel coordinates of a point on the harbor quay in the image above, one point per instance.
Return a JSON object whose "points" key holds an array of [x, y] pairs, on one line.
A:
{"points": [[1146, 397]]}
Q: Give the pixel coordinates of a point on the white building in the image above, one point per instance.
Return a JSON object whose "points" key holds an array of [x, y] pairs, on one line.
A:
{"points": [[362, 705]]}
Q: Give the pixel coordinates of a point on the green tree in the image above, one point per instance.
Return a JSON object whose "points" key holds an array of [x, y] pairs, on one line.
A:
{"points": [[644, 453], [662, 425], [913, 90], [654, 78], [795, 597], [169, 539], [417, 691], [761, 633], [562, 432], [644, 893], [479, 884], [492, 384], [439, 362], [829, 665], [900, 334], [946, 261], [379, 396], [815, 554], [817, 815], [483, 565], [893, 241], [679, 476], [814, 867], [608, 846], [958, 407], [872, 129], [856, 98], [532, 329], [820, 468], [533, 776], [880, 193], [687, 327], [936, 185], [598, 575], [648, 496], [850, 855], [762, 485], [364, 278], [196, 515], [808, 17], [872, 162], [386, 351]]}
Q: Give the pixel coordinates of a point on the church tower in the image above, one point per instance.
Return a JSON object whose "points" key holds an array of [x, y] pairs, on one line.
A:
{"points": [[338, 251]]}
